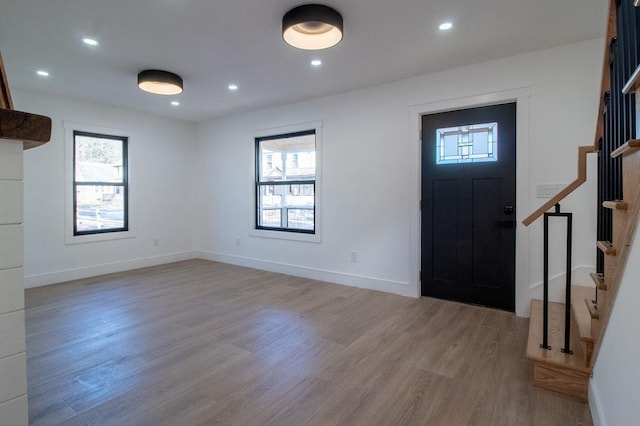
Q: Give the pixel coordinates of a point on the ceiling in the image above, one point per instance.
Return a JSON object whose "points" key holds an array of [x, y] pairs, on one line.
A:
{"points": [[213, 43]]}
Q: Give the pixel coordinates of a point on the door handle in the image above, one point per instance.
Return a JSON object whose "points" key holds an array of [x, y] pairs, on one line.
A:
{"points": [[506, 223]]}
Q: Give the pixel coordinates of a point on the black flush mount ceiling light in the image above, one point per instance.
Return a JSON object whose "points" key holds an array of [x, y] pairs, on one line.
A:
{"points": [[312, 27], [160, 82]]}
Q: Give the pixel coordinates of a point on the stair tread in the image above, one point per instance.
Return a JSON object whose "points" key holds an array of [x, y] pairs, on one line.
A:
{"points": [[581, 315], [606, 247], [615, 204], [628, 147], [598, 280], [593, 310], [554, 356]]}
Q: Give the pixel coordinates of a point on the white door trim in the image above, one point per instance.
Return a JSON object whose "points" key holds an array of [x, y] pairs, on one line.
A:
{"points": [[521, 97]]}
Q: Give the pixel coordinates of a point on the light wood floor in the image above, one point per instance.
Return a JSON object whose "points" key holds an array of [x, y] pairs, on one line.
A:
{"points": [[203, 343]]}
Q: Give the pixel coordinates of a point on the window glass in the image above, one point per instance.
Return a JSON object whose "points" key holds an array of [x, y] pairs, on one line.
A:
{"points": [[100, 183], [285, 182], [470, 143]]}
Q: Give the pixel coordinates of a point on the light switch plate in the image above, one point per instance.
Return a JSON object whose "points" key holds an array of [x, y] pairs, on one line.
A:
{"points": [[548, 190]]}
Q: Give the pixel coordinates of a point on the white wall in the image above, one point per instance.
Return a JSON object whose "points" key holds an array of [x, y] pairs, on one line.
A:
{"points": [[615, 385], [192, 186], [368, 170], [161, 154]]}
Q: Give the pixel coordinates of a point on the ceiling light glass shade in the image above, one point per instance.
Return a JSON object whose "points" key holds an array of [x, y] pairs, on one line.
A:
{"points": [[312, 27], [160, 82]]}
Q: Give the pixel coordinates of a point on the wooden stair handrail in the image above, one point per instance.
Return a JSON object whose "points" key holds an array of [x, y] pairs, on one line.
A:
{"points": [[605, 85], [5, 94], [582, 177]]}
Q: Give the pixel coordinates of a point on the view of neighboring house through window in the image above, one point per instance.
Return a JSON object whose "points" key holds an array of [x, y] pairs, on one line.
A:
{"points": [[100, 186], [286, 182]]}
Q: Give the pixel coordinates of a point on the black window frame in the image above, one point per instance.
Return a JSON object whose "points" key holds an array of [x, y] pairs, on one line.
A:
{"points": [[124, 185], [259, 184]]}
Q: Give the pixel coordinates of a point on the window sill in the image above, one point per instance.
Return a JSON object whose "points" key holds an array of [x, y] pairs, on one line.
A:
{"points": [[94, 238], [284, 235]]}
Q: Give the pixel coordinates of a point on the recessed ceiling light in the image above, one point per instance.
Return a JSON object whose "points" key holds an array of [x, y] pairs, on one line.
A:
{"points": [[90, 42], [445, 26], [233, 87], [316, 62], [42, 73], [175, 103]]}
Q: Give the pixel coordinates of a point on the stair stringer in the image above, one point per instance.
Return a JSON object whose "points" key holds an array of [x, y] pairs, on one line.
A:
{"points": [[624, 227]]}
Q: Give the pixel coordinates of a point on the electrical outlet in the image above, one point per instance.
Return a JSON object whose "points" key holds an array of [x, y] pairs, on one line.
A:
{"points": [[156, 242], [354, 257], [237, 242]]}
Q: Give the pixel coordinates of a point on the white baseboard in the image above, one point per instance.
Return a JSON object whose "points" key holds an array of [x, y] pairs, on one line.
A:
{"points": [[595, 405], [109, 268], [351, 280], [579, 276]]}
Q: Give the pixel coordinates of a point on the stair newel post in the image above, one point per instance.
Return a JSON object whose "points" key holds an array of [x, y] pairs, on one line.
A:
{"points": [[545, 305], [567, 305], [567, 308]]}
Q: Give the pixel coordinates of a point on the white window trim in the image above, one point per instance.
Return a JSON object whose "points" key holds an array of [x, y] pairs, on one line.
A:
{"points": [[280, 234], [69, 238]]}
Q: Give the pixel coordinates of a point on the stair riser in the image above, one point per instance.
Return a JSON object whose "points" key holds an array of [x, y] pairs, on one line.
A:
{"points": [[587, 348], [595, 327], [620, 221], [568, 382]]}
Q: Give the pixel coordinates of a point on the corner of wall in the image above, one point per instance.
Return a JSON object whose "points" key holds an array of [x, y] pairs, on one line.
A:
{"points": [[351, 280], [595, 405]]}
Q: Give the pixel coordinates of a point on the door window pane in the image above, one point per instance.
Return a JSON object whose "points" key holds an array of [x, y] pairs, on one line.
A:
{"points": [[470, 143]]}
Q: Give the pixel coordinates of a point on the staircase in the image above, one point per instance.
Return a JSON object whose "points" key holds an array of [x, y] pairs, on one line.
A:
{"points": [[568, 369], [569, 373]]}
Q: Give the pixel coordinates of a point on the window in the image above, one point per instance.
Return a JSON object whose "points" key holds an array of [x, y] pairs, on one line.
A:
{"points": [[286, 182], [100, 183], [467, 144]]}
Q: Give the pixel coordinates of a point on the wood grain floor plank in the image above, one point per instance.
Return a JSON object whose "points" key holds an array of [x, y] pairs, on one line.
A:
{"points": [[257, 396], [205, 343]]}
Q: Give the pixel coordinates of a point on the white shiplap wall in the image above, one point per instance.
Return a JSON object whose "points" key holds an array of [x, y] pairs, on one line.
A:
{"points": [[13, 371]]}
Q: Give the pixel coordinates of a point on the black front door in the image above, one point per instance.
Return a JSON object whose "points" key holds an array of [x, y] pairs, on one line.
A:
{"points": [[468, 205]]}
